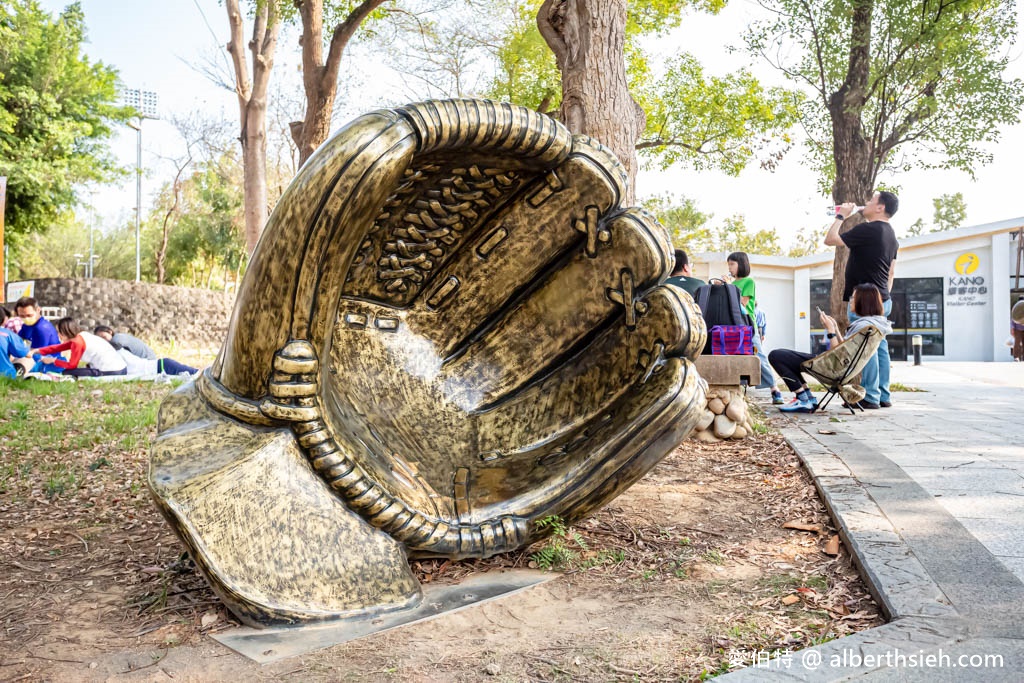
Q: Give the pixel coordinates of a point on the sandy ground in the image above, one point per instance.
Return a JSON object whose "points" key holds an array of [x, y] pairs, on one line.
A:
{"points": [[689, 570]]}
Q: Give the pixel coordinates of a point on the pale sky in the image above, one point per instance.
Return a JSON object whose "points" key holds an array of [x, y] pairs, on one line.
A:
{"points": [[149, 43]]}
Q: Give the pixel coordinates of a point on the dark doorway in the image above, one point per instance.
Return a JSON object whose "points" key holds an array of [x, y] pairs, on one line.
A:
{"points": [[917, 308]]}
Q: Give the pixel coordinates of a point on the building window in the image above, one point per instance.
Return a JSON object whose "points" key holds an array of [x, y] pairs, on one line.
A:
{"points": [[917, 308]]}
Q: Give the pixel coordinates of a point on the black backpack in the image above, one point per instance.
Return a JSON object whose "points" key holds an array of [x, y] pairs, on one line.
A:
{"points": [[719, 301]]}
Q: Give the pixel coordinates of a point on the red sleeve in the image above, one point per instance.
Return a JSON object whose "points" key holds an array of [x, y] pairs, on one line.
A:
{"points": [[77, 346], [55, 348]]}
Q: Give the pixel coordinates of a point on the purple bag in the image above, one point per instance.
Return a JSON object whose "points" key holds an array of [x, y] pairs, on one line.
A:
{"points": [[732, 340]]}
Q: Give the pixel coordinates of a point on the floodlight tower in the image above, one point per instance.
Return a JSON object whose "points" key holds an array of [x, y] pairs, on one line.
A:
{"points": [[145, 104]]}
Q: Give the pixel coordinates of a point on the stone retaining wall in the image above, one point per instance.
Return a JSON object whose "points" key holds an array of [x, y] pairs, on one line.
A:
{"points": [[155, 313]]}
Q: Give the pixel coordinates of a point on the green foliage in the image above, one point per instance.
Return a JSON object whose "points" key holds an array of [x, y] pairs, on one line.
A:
{"points": [[692, 229], [694, 119], [807, 242], [526, 69], [950, 213], [63, 250], [734, 235], [916, 228], [562, 548], [56, 111], [334, 13], [98, 463], [687, 224], [207, 245], [927, 75], [713, 122]]}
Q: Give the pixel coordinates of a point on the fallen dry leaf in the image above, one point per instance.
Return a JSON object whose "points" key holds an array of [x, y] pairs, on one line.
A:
{"points": [[826, 431], [790, 599], [832, 547], [800, 526]]}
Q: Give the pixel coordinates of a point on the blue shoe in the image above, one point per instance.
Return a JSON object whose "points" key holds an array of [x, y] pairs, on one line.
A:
{"points": [[777, 398], [798, 406]]}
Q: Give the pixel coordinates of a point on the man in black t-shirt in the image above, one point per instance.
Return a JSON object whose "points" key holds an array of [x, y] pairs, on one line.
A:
{"points": [[873, 249]]}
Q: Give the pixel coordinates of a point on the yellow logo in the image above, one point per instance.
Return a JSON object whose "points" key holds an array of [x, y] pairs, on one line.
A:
{"points": [[966, 263]]}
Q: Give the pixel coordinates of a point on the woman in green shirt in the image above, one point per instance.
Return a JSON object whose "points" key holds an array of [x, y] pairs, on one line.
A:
{"points": [[739, 268]]}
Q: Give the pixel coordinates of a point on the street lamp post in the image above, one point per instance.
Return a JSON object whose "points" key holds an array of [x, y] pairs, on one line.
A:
{"points": [[145, 103]]}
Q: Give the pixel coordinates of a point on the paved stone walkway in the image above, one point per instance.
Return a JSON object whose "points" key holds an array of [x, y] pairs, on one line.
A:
{"points": [[929, 499], [962, 440]]}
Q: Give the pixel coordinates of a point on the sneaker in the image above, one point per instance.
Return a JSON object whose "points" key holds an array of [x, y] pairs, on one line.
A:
{"points": [[798, 406], [777, 399], [868, 405], [885, 404]]}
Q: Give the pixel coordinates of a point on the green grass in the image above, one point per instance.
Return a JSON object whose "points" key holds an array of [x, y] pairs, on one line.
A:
{"points": [[758, 419], [562, 549], [714, 557], [61, 480], [55, 436], [897, 386], [894, 386]]}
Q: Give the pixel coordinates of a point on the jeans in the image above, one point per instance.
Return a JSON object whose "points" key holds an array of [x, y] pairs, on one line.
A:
{"points": [[875, 375], [169, 366], [767, 377]]}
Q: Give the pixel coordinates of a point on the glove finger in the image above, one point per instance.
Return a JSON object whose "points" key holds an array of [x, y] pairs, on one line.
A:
{"points": [[584, 390], [586, 293], [419, 279], [590, 465], [531, 425]]}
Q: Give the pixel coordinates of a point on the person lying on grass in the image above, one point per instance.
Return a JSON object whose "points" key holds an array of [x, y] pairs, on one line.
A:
{"points": [[142, 367], [85, 347]]}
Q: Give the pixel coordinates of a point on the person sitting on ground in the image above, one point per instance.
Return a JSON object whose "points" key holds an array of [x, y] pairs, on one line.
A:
{"points": [[154, 366], [682, 274], [866, 302], [10, 345], [85, 347], [125, 341], [13, 323], [36, 330]]}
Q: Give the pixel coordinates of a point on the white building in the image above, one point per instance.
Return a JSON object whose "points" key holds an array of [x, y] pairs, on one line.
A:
{"points": [[953, 288]]}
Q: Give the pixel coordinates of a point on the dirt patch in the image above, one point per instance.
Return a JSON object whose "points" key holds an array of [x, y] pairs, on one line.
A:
{"points": [[684, 573]]}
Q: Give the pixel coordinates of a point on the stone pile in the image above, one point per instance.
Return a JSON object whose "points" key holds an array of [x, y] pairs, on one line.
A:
{"points": [[726, 415]]}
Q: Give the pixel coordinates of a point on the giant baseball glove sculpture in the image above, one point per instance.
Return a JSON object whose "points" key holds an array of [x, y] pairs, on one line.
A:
{"points": [[449, 330]]}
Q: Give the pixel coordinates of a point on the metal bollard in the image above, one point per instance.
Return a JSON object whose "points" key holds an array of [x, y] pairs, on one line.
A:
{"points": [[916, 341]]}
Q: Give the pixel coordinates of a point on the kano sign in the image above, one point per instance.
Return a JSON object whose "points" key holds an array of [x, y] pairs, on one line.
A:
{"points": [[966, 289], [966, 264]]}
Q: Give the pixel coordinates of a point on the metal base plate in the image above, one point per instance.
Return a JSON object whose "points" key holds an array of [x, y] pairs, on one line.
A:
{"points": [[271, 644]]}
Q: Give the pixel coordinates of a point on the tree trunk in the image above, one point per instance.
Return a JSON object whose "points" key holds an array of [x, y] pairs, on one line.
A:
{"points": [[254, 174], [165, 233], [588, 38], [320, 74], [252, 107], [852, 153]]}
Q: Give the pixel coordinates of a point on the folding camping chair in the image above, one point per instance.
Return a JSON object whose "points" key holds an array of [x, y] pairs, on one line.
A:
{"points": [[837, 367]]}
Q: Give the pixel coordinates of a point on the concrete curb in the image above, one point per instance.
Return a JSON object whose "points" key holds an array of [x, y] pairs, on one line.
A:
{"points": [[949, 601]]}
